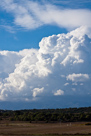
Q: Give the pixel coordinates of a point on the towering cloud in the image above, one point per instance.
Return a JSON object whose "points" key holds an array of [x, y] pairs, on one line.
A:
{"points": [[61, 66]]}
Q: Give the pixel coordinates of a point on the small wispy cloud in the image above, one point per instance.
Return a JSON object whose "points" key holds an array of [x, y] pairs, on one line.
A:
{"points": [[72, 4], [8, 28]]}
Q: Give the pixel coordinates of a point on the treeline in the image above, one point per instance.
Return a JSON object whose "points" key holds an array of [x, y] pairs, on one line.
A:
{"points": [[48, 115]]}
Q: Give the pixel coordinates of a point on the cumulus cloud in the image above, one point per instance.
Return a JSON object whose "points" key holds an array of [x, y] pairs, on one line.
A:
{"points": [[37, 91], [7, 65], [27, 14], [66, 84], [59, 92], [61, 66], [78, 77]]}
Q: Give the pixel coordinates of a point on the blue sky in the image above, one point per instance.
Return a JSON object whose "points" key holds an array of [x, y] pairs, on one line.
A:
{"points": [[45, 53], [26, 39]]}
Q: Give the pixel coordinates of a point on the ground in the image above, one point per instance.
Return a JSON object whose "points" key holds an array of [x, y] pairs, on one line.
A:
{"points": [[9, 128]]}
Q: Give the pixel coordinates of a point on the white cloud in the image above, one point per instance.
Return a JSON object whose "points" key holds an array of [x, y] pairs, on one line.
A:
{"points": [[81, 84], [31, 73], [27, 14], [78, 77], [8, 60], [37, 91], [59, 92], [66, 84], [8, 28], [73, 89], [74, 83]]}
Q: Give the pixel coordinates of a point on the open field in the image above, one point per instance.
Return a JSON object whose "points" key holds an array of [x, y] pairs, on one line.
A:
{"points": [[26, 129]]}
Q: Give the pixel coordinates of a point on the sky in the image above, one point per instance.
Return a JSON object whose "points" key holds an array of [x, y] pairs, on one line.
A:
{"points": [[45, 54]]}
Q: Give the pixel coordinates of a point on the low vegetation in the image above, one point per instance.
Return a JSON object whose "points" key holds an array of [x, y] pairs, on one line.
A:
{"points": [[48, 115]]}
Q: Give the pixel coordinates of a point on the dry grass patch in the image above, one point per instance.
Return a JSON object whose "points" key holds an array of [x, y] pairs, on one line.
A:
{"points": [[47, 129]]}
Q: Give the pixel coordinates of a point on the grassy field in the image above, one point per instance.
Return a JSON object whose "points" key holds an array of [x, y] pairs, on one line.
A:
{"points": [[8, 128]]}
